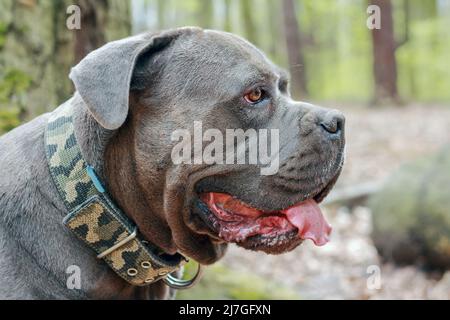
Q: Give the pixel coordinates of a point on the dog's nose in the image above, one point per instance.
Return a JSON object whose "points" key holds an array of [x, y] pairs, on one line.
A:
{"points": [[333, 122]]}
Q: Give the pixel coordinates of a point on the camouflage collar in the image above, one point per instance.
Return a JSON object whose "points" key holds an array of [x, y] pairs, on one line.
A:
{"points": [[93, 217]]}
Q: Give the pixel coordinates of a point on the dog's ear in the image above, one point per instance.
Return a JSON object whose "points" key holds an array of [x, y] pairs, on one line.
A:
{"points": [[103, 77]]}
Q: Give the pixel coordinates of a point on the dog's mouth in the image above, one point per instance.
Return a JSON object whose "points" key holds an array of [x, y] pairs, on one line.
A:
{"points": [[238, 221], [272, 231]]}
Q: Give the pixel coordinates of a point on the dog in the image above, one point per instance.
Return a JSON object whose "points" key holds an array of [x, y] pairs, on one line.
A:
{"points": [[130, 96]]}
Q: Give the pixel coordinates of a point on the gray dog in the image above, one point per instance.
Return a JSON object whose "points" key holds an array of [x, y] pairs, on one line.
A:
{"points": [[131, 96]]}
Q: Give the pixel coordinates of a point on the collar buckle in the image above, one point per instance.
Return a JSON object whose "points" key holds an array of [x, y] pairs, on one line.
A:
{"points": [[118, 244]]}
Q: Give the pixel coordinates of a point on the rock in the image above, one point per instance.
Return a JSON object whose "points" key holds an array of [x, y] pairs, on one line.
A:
{"points": [[411, 214]]}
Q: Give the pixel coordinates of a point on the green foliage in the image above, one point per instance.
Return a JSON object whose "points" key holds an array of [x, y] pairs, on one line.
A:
{"points": [[13, 86], [220, 282], [13, 83], [9, 119], [3, 29], [424, 62], [339, 58]]}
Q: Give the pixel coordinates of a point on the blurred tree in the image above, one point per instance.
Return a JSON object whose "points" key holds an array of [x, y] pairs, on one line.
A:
{"points": [[274, 18], [247, 12], [227, 18], [206, 14], [161, 13], [294, 50], [93, 20], [384, 62]]}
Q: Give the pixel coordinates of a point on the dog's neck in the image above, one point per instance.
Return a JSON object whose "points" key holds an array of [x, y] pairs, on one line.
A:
{"points": [[91, 137], [111, 153]]}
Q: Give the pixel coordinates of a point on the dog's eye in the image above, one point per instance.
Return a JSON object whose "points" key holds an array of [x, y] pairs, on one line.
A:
{"points": [[255, 96]]}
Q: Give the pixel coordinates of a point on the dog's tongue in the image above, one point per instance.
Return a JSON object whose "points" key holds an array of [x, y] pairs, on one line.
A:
{"points": [[310, 222], [306, 216]]}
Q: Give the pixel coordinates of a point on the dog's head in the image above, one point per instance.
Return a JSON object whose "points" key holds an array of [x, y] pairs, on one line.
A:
{"points": [[175, 95]]}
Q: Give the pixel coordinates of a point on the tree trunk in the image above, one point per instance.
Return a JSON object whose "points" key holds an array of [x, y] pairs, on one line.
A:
{"points": [[384, 62], [93, 21], [294, 50], [98, 16]]}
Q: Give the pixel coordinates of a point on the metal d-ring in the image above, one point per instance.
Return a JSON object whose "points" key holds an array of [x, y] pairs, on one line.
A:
{"points": [[180, 284]]}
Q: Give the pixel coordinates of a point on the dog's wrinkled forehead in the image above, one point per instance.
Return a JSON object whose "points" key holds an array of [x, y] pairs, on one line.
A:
{"points": [[194, 62]]}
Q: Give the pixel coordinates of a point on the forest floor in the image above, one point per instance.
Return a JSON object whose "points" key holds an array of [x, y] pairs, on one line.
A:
{"points": [[378, 141]]}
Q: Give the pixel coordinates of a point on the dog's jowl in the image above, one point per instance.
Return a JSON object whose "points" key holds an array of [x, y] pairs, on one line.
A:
{"points": [[93, 184]]}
